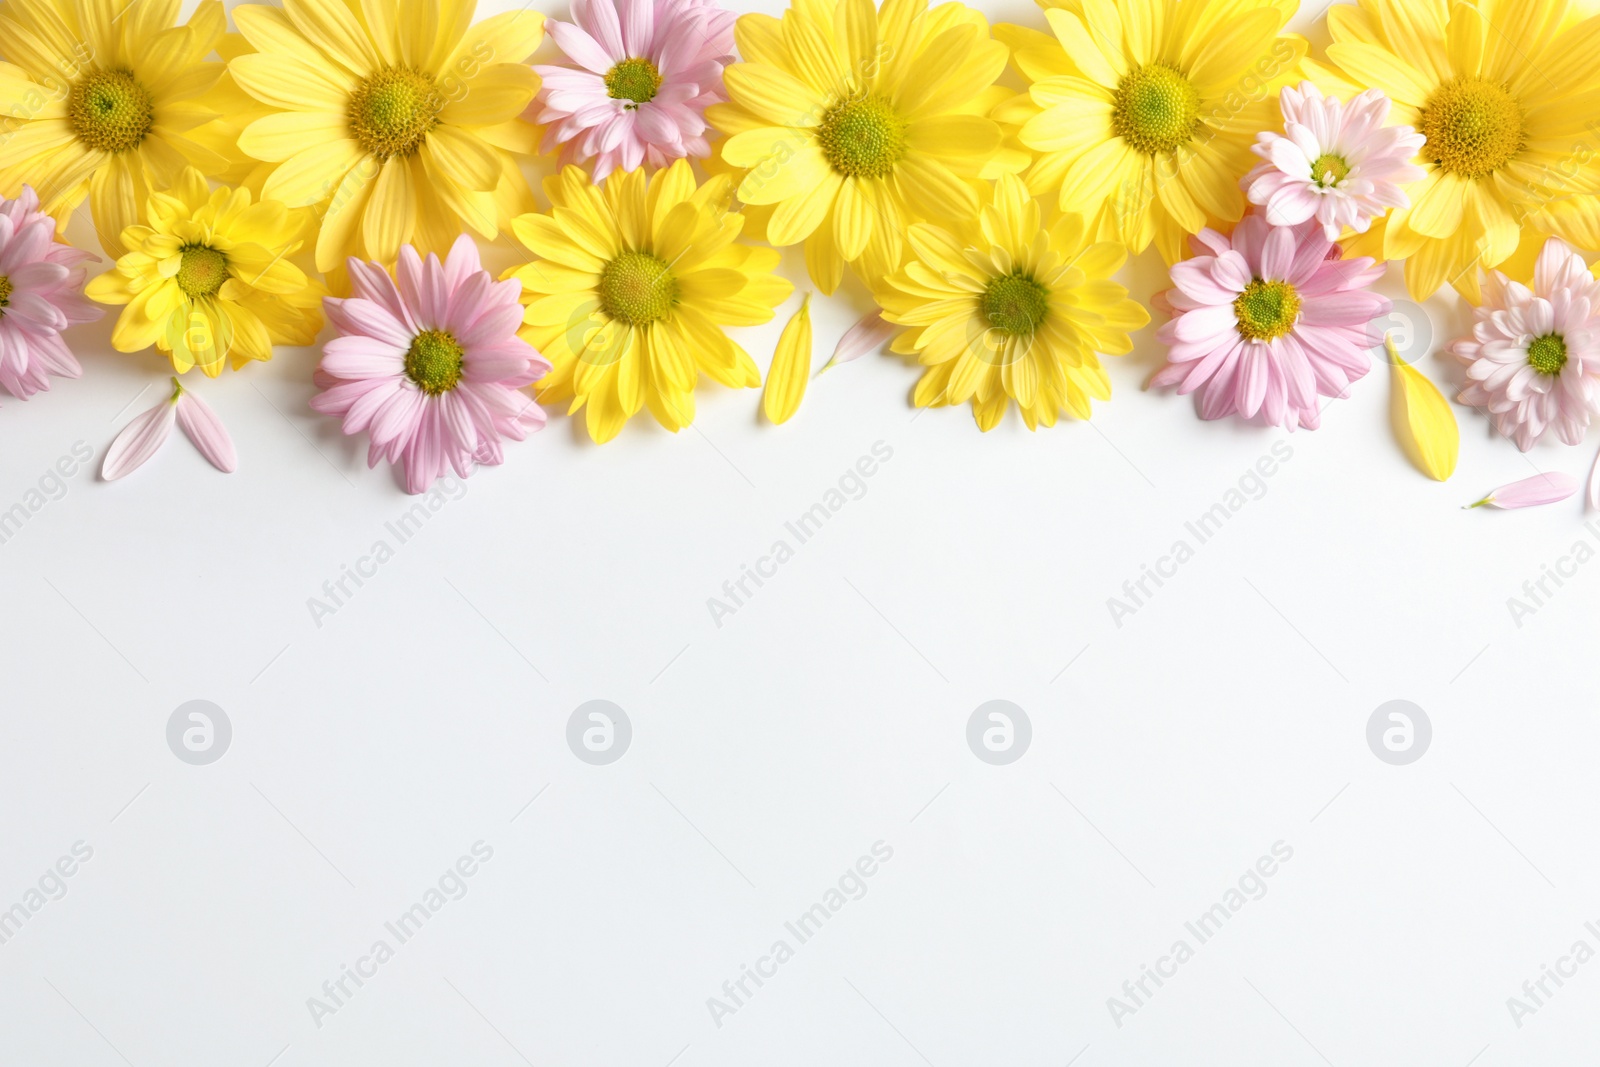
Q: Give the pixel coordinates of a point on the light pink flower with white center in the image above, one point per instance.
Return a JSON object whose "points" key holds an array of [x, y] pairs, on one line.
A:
{"points": [[1334, 162], [1533, 360], [41, 294], [644, 73], [432, 367], [1267, 320]]}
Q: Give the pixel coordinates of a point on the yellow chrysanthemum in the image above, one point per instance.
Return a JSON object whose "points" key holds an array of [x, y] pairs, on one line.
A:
{"points": [[101, 100], [1505, 93], [397, 117], [853, 122], [631, 289], [1143, 112], [209, 278], [1006, 309]]}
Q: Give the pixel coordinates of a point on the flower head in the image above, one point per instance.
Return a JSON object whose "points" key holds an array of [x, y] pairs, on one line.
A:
{"points": [[1495, 92], [1335, 162], [208, 278], [431, 368], [642, 73], [630, 291], [104, 101], [1533, 359], [399, 117], [1007, 310], [854, 122], [41, 294], [1265, 321], [1141, 113]]}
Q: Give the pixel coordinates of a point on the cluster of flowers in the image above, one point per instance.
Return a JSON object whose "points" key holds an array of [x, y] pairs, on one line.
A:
{"points": [[322, 159]]}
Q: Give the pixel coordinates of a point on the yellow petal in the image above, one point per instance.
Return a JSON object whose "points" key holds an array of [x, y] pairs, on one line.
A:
{"points": [[1427, 426], [791, 367]]}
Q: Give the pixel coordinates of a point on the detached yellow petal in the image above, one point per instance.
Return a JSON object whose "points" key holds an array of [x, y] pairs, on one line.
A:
{"points": [[791, 367], [1427, 426]]}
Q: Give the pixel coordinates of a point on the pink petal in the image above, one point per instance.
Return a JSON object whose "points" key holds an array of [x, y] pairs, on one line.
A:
{"points": [[870, 333], [138, 441], [203, 427], [1540, 489]]}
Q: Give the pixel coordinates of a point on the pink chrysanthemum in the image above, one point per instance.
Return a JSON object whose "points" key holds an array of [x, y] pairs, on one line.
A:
{"points": [[646, 70], [431, 367], [1533, 360], [1334, 162], [41, 294], [1266, 320]]}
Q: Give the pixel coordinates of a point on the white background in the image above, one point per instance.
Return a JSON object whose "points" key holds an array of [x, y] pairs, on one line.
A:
{"points": [[828, 713]]}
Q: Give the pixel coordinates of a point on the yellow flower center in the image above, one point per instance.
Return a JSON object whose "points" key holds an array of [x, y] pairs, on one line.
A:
{"points": [[392, 111], [109, 111], [1015, 303], [633, 79], [1266, 310], [1155, 109], [1329, 169], [1548, 354], [201, 271], [5, 295], [862, 137], [1473, 127], [637, 288], [433, 362]]}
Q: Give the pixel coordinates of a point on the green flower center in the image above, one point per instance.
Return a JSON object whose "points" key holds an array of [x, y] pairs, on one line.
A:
{"points": [[1015, 303], [392, 111], [109, 111], [1547, 354], [1155, 109], [633, 79], [433, 362], [201, 271], [637, 288], [1329, 169], [862, 137], [1266, 310], [1473, 127], [5, 295]]}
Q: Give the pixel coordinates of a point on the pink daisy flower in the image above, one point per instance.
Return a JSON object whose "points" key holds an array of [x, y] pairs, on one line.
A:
{"points": [[41, 294], [430, 368], [1267, 320], [1335, 162], [1533, 360], [646, 70]]}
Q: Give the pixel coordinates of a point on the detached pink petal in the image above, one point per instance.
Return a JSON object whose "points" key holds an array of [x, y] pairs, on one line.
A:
{"points": [[203, 427], [139, 440], [1540, 489], [869, 334]]}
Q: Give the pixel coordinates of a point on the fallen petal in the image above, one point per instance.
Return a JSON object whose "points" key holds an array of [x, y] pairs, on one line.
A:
{"points": [[1540, 489], [203, 427], [869, 334], [139, 440], [1432, 437], [1594, 483], [791, 366]]}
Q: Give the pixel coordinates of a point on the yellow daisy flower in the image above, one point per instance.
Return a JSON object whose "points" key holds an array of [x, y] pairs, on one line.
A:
{"points": [[853, 122], [99, 100], [1505, 92], [631, 289], [209, 277], [1006, 309], [1143, 112], [397, 117]]}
